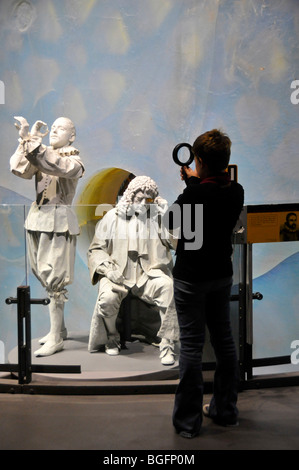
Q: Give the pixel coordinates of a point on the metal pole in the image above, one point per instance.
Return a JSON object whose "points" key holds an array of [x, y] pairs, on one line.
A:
{"points": [[24, 331]]}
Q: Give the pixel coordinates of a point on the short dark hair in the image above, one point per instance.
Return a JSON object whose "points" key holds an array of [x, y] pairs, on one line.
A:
{"points": [[214, 148], [290, 214]]}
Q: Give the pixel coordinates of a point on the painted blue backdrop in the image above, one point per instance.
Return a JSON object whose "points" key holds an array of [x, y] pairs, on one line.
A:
{"points": [[137, 77]]}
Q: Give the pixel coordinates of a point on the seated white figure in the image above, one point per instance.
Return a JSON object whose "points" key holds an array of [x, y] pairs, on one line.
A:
{"points": [[130, 252]]}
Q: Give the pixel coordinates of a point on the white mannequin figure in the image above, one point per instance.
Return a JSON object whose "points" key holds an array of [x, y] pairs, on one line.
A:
{"points": [[51, 225], [131, 252]]}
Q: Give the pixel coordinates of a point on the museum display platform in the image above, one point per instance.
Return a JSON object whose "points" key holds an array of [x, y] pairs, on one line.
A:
{"points": [[137, 360], [137, 369]]}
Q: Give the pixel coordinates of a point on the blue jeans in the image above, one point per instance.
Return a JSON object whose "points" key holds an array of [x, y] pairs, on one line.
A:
{"points": [[200, 304]]}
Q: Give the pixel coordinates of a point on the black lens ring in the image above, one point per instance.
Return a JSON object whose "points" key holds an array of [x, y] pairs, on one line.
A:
{"points": [[176, 151]]}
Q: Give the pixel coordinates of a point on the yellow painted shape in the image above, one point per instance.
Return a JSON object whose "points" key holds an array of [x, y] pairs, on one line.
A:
{"points": [[102, 188]]}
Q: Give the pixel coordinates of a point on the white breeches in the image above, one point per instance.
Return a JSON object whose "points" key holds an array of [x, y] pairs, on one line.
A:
{"points": [[52, 259], [156, 291]]}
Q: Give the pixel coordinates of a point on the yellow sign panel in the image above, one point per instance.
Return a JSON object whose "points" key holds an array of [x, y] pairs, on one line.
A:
{"points": [[272, 226]]}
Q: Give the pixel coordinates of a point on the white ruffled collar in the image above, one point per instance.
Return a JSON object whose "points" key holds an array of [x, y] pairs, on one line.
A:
{"points": [[67, 151]]}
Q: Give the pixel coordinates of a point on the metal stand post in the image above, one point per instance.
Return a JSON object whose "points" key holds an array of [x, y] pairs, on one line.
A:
{"points": [[245, 298], [24, 366]]}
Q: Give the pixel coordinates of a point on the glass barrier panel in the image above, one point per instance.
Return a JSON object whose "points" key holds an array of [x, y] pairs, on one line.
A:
{"points": [[13, 273], [276, 316]]}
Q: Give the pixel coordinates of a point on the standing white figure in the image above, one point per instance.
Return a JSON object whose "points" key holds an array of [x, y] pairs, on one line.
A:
{"points": [[131, 252], [51, 224]]}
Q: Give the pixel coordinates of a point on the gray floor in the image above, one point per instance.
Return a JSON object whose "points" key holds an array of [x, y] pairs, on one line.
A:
{"points": [[269, 420], [125, 404]]}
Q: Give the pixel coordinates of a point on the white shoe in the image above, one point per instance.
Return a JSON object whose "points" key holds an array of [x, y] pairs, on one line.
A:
{"points": [[63, 335], [112, 348], [49, 348], [167, 356]]}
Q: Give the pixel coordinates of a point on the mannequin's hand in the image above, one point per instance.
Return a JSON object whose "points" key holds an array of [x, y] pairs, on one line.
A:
{"points": [[36, 129], [161, 205], [22, 126], [160, 202], [115, 276]]}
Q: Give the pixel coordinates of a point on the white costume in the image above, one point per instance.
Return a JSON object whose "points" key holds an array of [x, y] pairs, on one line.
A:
{"points": [[131, 252], [51, 224]]}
